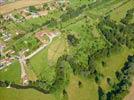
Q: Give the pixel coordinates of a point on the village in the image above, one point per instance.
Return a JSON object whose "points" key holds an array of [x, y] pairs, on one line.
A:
{"points": [[66, 49], [8, 57], [18, 16], [44, 37]]}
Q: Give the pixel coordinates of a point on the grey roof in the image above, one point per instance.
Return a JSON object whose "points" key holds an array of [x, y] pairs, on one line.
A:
{"points": [[2, 1]]}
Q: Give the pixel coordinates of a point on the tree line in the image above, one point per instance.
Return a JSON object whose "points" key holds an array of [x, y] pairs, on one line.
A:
{"points": [[125, 77]]}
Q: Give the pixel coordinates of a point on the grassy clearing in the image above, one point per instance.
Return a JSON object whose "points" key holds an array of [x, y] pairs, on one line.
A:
{"points": [[76, 27], [120, 12], [22, 94], [88, 90], [39, 65], [100, 8], [76, 3], [42, 63], [38, 61], [57, 48], [113, 64], [31, 75], [11, 73]]}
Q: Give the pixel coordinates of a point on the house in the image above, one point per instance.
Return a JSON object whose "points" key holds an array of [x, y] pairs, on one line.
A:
{"points": [[6, 17], [43, 13], [40, 35], [2, 46], [10, 52], [52, 34], [6, 36], [6, 61], [2, 2]]}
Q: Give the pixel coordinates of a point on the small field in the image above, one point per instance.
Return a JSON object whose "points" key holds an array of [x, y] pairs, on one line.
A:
{"points": [[87, 91], [28, 94], [120, 12], [11, 73], [47, 58], [56, 49], [113, 64]]}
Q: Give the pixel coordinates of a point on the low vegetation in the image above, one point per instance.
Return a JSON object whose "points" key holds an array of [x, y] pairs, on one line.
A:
{"points": [[92, 58]]}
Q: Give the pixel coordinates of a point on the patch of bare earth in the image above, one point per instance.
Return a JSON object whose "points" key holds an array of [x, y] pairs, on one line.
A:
{"points": [[20, 4], [130, 96]]}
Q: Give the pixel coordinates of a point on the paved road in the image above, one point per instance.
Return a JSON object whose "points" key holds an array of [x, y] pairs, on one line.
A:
{"points": [[42, 47], [20, 4], [24, 75], [37, 51]]}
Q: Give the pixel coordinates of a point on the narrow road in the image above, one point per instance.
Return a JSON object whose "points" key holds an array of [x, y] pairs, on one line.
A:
{"points": [[42, 47], [38, 50], [24, 75]]}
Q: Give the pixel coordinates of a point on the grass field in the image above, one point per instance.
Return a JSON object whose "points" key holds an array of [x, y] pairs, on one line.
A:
{"points": [[88, 90], [113, 64], [42, 65], [76, 3], [39, 65], [56, 49], [120, 12], [28, 94], [11, 73]]}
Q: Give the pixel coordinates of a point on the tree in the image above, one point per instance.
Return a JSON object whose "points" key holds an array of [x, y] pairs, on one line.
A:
{"points": [[79, 84], [103, 63], [65, 95], [101, 93], [45, 6], [109, 81], [72, 40], [32, 9]]}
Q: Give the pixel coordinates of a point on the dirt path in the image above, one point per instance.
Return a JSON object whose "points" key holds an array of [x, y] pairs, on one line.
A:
{"points": [[20, 4], [130, 96]]}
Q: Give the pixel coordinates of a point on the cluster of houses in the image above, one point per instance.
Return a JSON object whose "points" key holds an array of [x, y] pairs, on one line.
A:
{"points": [[5, 36], [40, 36], [6, 58], [25, 13], [2, 2], [28, 15], [5, 62]]}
